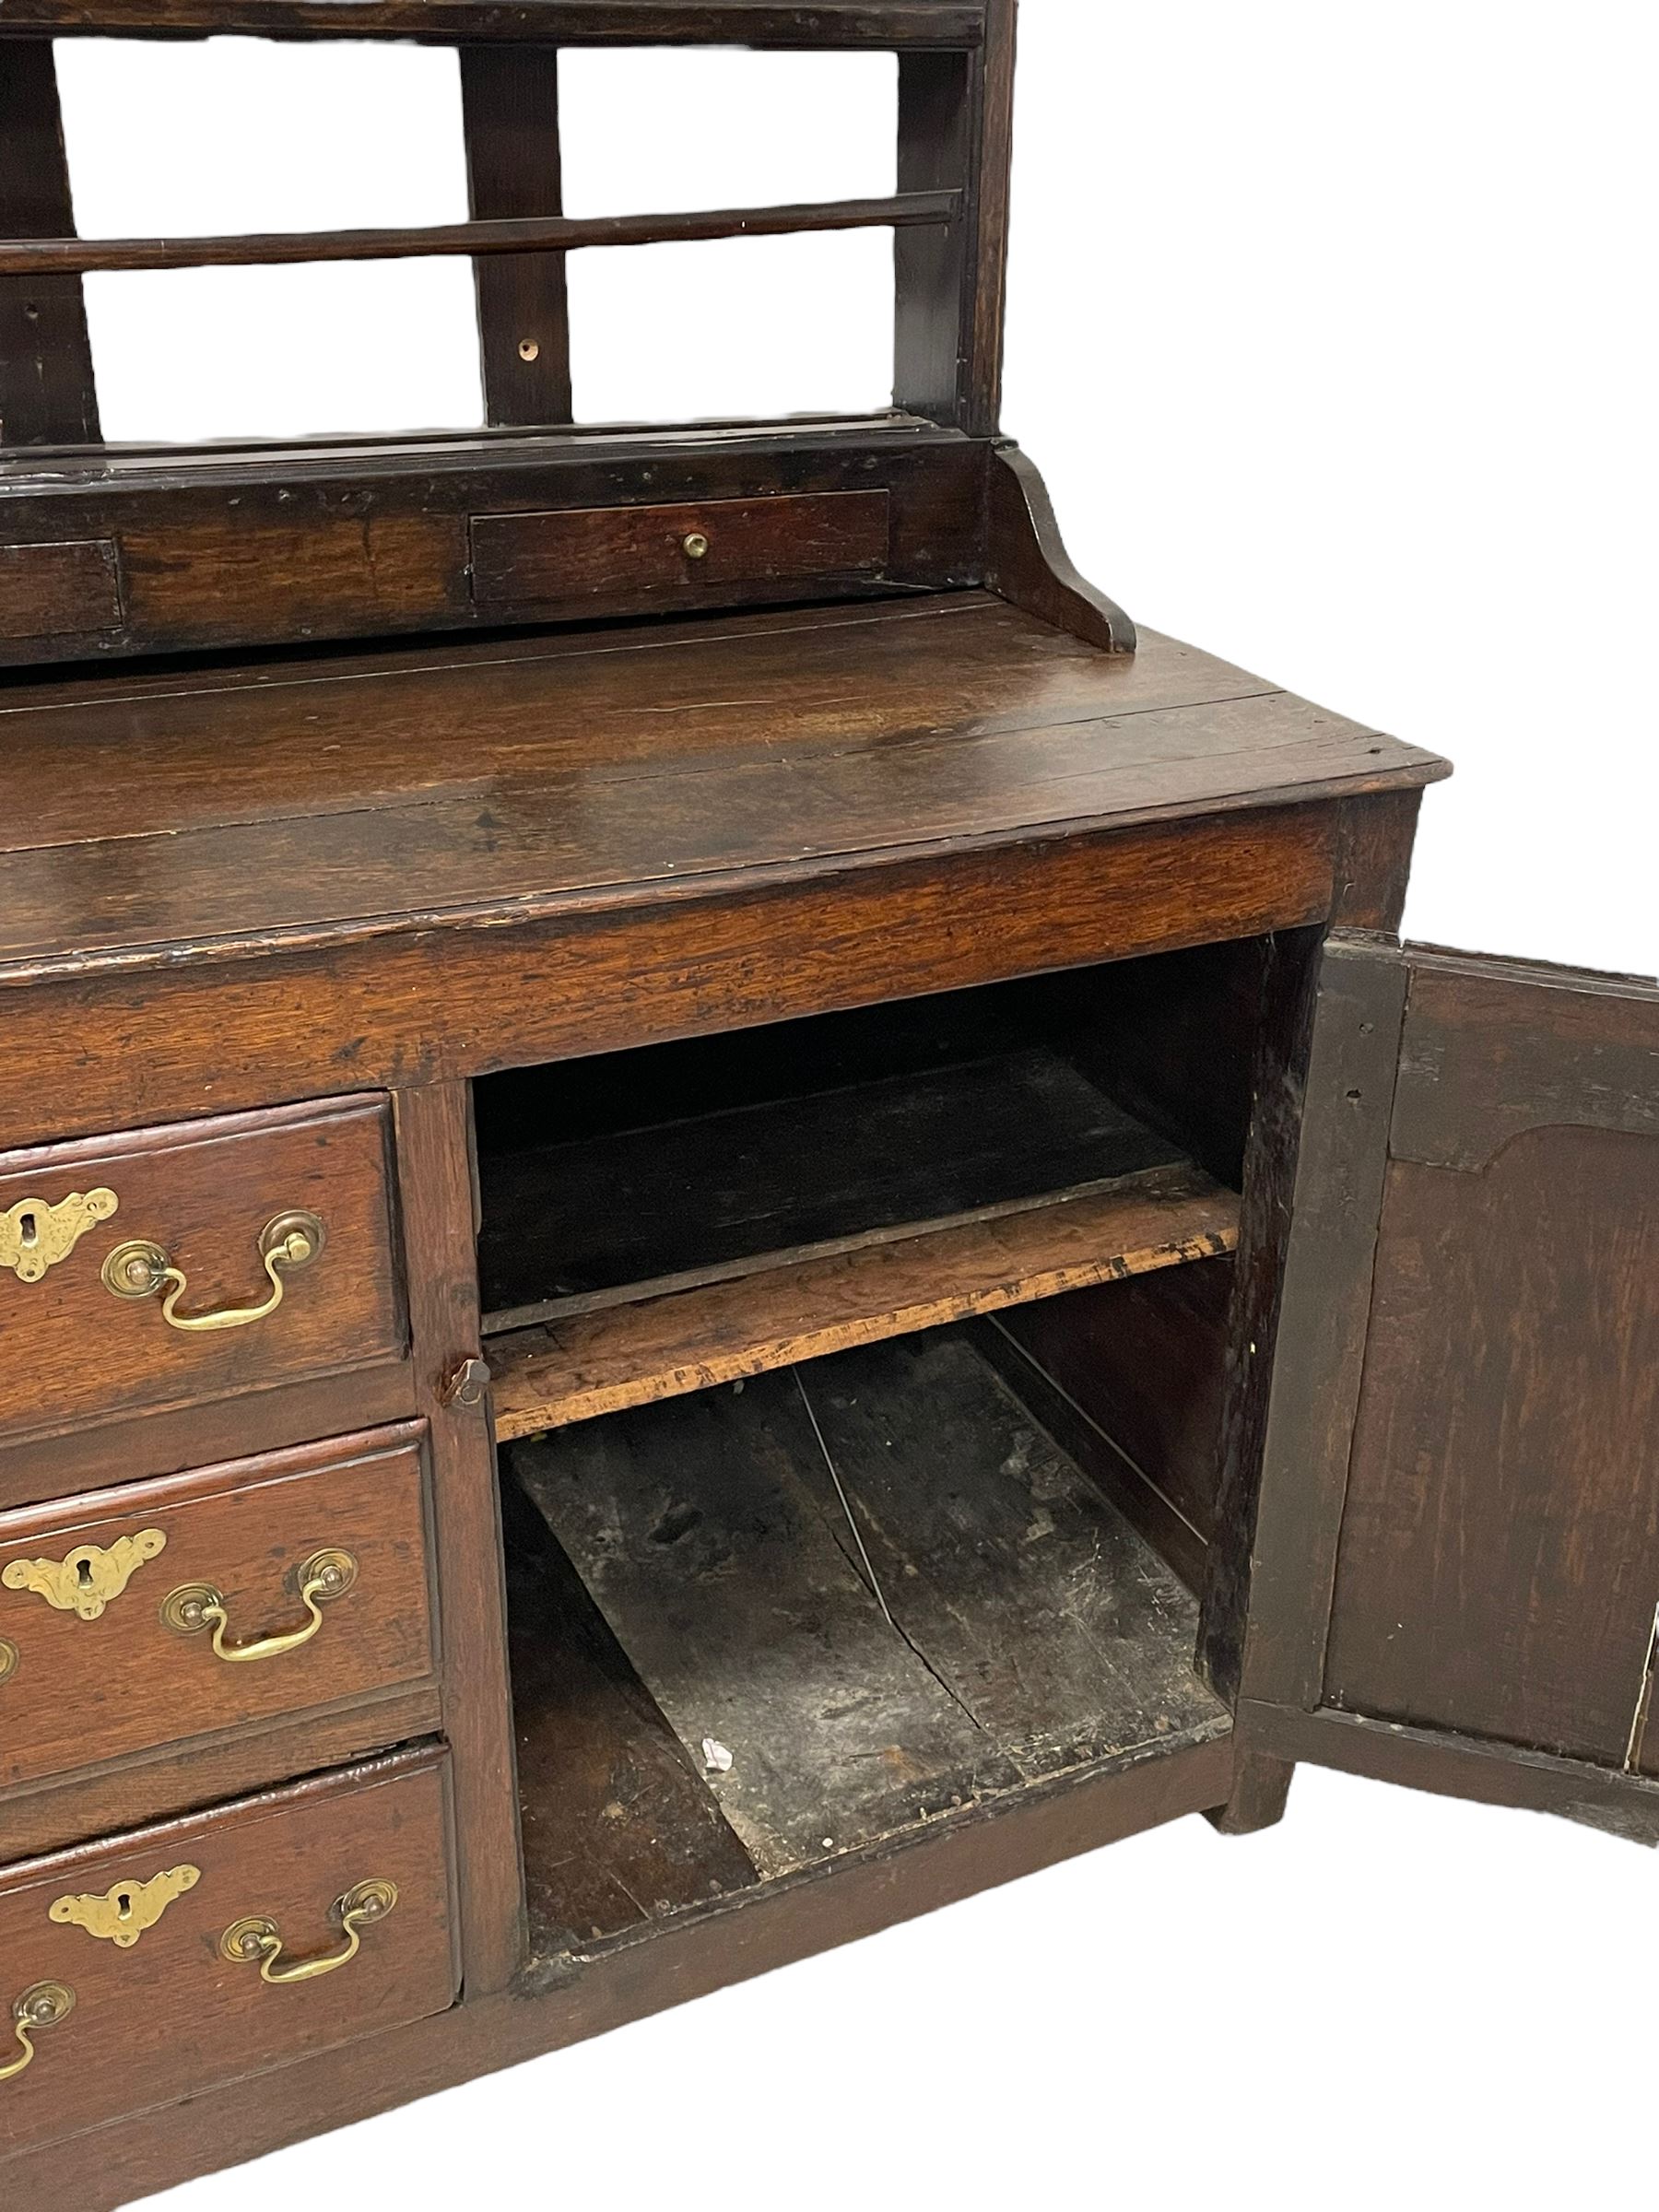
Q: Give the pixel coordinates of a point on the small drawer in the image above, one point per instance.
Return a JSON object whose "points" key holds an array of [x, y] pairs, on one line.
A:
{"points": [[149, 1968], [151, 1615], [169, 1266], [602, 552]]}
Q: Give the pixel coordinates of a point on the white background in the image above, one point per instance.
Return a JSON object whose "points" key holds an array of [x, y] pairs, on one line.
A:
{"points": [[1331, 327]]}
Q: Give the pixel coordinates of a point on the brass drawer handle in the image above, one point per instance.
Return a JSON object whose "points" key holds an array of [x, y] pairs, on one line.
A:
{"points": [[258, 1940], [195, 1606], [141, 1269], [43, 2007]]}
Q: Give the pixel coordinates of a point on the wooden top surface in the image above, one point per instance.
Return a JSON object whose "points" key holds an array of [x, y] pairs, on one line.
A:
{"points": [[565, 22], [147, 815]]}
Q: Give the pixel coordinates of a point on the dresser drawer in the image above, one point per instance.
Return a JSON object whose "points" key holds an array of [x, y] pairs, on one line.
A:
{"points": [[168, 1266], [166, 1960], [600, 552], [109, 1644]]}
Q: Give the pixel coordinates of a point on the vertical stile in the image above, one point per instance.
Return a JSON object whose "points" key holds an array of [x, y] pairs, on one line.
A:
{"points": [[509, 104], [47, 394], [954, 134]]}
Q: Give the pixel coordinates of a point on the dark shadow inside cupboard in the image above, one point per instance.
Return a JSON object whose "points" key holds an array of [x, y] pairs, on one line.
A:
{"points": [[858, 1382]]}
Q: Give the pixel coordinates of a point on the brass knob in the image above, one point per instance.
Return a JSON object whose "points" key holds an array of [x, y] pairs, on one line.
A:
{"points": [[465, 1384], [696, 547]]}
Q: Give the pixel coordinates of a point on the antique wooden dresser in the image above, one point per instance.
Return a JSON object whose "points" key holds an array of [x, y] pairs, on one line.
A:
{"points": [[715, 1219]]}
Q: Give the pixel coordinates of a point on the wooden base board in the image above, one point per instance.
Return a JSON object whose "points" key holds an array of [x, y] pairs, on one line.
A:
{"points": [[814, 1911]]}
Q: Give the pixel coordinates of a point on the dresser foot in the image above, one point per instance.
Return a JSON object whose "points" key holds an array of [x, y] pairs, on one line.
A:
{"points": [[1260, 1788]]}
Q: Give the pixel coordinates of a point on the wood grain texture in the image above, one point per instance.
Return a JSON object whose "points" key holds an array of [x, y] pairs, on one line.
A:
{"points": [[435, 1177], [219, 536], [508, 990], [204, 1191], [786, 1922], [47, 393], [509, 112], [1027, 563], [598, 1363], [574, 833], [566, 22], [59, 590], [86, 1692], [601, 551], [288, 1856], [1033, 1632], [49, 257], [687, 1197]]}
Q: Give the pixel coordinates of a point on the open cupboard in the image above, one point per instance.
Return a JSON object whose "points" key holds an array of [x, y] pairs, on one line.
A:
{"points": [[718, 1217]]}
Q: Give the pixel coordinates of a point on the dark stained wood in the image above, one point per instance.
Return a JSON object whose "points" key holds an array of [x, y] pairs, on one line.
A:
{"points": [[937, 139], [570, 22], [204, 1191], [59, 590], [1034, 1632], [602, 1362], [286, 1855], [215, 542], [435, 1175], [1375, 860], [1027, 563], [600, 552], [620, 1831], [1143, 1362], [47, 394], [1433, 1759], [95, 1691], [573, 835], [781, 1922], [510, 107], [1261, 1786], [503, 991], [1339, 1155], [37, 257], [677, 1201]]}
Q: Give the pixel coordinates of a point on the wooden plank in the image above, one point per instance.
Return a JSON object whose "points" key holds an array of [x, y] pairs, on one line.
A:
{"points": [[655, 1207], [510, 109], [587, 553], [1336, 1144], [101, 1044], [59, 590], [47, 393], [1033, 1631], [564, 22], [619, 1832], [39, 257], [575, 1369]]}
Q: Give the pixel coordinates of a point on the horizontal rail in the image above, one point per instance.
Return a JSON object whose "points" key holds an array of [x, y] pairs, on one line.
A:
{"points": [[534, 234], [893, 23]]}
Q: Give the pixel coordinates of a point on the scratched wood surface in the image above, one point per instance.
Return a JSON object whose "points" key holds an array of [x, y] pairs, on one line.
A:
{"points": [[1032, 1631], [411, 786]]}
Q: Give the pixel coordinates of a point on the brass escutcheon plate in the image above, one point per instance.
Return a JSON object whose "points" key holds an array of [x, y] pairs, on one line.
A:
{"points": [[8, 1660], [35, 1235], [127, 1911], [90, 1578]]}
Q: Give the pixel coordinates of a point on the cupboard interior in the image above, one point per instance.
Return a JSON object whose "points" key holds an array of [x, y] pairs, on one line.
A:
{"points": [[858, 1384]]}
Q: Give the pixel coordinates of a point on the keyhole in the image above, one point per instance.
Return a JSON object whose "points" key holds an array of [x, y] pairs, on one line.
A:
{"points": [[29, 1229], [83, 1574], [124, 1906]]}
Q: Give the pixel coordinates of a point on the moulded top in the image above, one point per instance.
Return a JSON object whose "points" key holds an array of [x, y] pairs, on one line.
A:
{"points": [[938, 23]]}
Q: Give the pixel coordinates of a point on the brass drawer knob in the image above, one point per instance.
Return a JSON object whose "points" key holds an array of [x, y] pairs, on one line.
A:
{"points": [[695, 547], [194, 1607], [258, 1941], [141, 1269], [43, 2007]]}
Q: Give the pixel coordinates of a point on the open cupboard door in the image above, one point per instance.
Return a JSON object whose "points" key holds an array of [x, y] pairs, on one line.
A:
{"points": [[1456, 1562]]}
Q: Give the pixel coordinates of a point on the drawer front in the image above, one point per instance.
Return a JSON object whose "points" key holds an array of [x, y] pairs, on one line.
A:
{"points": [[144, 1617], [136, 1964], [195, 1224], [597, 552]]}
